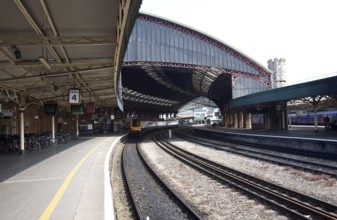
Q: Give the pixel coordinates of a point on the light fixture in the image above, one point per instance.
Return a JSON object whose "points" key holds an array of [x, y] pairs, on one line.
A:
{"points": [[17, 53], [45, 63]]}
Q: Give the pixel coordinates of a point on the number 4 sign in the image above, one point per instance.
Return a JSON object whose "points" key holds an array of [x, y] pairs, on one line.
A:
{"points": [[74, 96]]}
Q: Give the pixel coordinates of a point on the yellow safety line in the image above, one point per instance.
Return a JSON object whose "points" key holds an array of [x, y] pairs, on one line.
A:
{"points": [[49, 210]]}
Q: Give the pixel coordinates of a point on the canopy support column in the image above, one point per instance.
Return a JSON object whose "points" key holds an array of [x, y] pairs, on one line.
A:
{"points": [[53, 128], [22, 132]]}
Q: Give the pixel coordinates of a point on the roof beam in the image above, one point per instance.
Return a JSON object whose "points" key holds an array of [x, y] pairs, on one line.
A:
{"points": [[75, 63], [35, 27], [55, 74], [29, 41], [9, 56]]}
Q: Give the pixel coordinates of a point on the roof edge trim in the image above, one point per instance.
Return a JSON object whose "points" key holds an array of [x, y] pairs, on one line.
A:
{"points": [[206, 38]]}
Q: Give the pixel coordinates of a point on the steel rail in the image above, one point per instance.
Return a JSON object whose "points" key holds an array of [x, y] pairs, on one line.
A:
{"points": [[284, 199], [161, 183], [248, 153]]}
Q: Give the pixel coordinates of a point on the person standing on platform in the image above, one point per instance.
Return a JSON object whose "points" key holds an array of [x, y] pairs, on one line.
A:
{"points": [[326, 122]]}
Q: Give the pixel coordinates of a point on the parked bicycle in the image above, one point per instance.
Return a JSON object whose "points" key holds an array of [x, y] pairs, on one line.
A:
{"points": [[34, 142], [9, 144]]}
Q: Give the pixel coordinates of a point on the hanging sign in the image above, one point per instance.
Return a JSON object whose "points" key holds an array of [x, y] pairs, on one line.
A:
{"points": [[74, 96], [7, 113], [90, 107], [77, 109], [50, 108]]}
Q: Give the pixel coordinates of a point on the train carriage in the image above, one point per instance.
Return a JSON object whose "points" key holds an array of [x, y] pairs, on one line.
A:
{"points": [[137, 127], [308, 118]]}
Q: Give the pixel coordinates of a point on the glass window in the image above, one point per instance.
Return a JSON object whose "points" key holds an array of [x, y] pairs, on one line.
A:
{"points": [[162, 52], [171, 36]]}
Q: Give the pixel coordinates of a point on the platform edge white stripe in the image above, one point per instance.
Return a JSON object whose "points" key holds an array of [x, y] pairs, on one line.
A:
{"points": [[108, 201]]}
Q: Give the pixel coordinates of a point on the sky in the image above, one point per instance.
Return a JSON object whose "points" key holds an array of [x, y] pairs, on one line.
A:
{"points": [[304, 32]]}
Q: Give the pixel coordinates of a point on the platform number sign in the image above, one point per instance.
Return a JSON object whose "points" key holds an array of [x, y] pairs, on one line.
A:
{"points": [[74, 96]]}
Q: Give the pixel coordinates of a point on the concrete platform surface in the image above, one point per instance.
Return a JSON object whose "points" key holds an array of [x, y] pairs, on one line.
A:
{"points": [[61, 182]]}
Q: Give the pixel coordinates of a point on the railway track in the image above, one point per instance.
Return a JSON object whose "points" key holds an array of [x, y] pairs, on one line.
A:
{"points": [[263, 154], [152, 199], [291, 203]]}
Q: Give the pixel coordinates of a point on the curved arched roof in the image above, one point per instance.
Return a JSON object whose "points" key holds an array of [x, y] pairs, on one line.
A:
{"points": [[167, 65]]}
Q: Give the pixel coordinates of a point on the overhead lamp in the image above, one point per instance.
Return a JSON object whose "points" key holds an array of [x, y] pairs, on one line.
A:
{"points": [[45, 63], [17, 53]]}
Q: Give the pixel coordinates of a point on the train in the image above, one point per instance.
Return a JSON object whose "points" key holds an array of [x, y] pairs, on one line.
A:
{"points": [[307, 118], [137, 127]]}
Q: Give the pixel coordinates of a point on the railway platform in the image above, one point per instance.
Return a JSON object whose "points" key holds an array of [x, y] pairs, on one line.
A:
{"points": [[301, 131], [67, 181], [297, 138]]}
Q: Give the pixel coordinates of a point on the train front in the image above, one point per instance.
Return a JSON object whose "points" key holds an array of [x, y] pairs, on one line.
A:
{"points": [[135, 128]]}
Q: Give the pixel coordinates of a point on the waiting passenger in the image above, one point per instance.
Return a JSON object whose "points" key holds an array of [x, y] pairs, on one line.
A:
{"points": [[326, 122]]}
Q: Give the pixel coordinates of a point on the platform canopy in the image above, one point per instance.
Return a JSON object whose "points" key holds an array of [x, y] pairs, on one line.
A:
{"points": [[50, 46], [320, 87]]}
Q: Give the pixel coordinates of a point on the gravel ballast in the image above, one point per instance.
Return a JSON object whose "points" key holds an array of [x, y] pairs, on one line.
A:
{"points": [[319, 186], [217, 201], [214, 200]]}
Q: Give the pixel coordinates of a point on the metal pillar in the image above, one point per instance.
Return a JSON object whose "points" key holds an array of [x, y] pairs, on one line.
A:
{"points": [[22, 132], [249, 120], [240, 117], [267, 120], [315, 119], [53, 128], [227, 122], [230, 120], [235, 119], [170, 133], [283, 120], [77, 128], [244, 119]]}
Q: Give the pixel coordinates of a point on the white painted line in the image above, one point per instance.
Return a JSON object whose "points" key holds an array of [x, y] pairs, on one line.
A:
{"points": [[108, 202], [30, 180]]}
